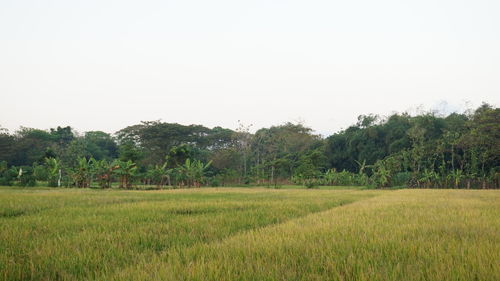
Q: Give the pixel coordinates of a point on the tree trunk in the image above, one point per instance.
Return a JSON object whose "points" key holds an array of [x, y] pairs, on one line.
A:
{"points": [[452, 157], [272, 173], [59, 179]]}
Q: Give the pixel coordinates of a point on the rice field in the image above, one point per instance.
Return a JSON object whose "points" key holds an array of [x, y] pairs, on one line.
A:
{"points": [[249, 234]]}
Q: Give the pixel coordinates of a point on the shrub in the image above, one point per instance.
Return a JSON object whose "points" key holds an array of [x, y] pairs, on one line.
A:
{"points": [[401, 179], [26, 177], [214, 182], [311, 183]]}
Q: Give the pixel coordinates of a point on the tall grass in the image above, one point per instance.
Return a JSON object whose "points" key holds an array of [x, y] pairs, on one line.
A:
{"points": [[80, 234], [249, 234], [403, 235]]}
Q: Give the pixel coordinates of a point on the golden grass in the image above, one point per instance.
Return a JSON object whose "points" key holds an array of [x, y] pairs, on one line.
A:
{"points": [[250, 234], [86, 234], [403, 235]]}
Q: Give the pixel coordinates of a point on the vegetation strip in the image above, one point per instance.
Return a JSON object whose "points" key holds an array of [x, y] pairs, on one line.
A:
{"points": [[460, 150]]}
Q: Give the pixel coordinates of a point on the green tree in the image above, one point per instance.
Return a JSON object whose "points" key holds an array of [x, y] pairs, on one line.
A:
{"points": [[100, 145]]}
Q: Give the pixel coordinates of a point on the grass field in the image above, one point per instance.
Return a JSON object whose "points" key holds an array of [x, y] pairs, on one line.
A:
{"points": [[249, 234]]}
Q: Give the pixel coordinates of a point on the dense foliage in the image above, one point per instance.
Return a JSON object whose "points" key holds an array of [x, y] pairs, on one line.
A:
{"points": [[461, 150]]}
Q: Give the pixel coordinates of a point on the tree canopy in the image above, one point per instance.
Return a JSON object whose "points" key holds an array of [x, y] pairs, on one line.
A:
{"points": [[426, 150]]}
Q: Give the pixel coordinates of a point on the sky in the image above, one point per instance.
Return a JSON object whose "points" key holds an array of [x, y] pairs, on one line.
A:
{"points": [[104, 65]]}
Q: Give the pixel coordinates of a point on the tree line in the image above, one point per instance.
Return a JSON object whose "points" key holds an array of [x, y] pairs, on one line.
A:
{"points": [[428, 150]]}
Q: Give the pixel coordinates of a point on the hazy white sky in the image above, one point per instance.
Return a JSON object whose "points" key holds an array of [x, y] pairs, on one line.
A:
{"points": [[103, 65]]}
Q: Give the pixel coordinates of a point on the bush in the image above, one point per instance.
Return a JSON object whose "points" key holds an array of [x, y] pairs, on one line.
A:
{"points": [[8, 176], [40, 172], [26, 178], [214, 182], [401, 179], [5, 181], [311, 183], [247, 180]]}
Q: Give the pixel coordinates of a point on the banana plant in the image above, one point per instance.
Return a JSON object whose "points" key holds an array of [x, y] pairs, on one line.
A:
{"points": [[82, 174], [381, 174], [194, 171], [54, 171], [160, 175], [331, 177], [456, 177], [362, 166], [125, 170], [429, 177], [199, 172], [103, 171]]}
